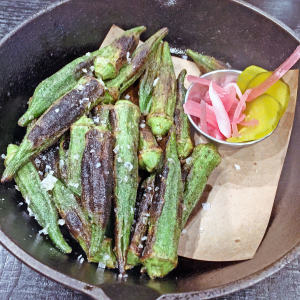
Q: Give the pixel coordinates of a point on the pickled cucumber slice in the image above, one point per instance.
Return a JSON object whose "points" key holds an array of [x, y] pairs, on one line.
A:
{"points": [[267, 111]]}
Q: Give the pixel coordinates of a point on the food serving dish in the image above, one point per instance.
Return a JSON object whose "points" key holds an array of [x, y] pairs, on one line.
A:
{"points": [[46, 43]]}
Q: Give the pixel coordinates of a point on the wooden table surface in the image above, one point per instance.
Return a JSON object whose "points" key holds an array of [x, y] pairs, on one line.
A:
{"points": [[17, 281]]}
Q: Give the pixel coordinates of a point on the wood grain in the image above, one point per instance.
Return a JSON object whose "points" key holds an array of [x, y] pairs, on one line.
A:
{"points": [[17, 281]]}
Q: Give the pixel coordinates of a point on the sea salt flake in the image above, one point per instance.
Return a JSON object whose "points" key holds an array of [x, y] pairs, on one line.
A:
{"points": [[101, 265], [206, 206], [20, 204], [92, 68], [237, 167], [17, 188], [143, 125], [48, 182], [80, 87], [98, 165], [119, 159], [140, 246], [184, 231], [127, 97], [61, 222], [96, 120], [171, 161], [189, 160], [79, 257], [155, 81], [184, 57], [75, 185], [159, 138], [128, 165], [84, 70], [57, 110], [92, 151], [116, 149], [30, 212], [3, 156], [88, 54], [44, 231], [128, 57], [81, 260], [156, 189], [76, 156], [144, 238], [41, 173]]}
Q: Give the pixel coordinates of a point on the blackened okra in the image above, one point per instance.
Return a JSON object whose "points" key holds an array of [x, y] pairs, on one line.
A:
{"points": [[147, 81], [97, 184], [206, 63], [160, 254], [55, 121], [39, 201], [205, 158], [114, 56], [71, 212], [125, 118], [55, 86], [130, 72], [75, 152], [150, 154], [160, 119], [63, 155], [183, 128], [139, 235]]}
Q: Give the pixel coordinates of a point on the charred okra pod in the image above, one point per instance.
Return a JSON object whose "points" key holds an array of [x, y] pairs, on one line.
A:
{"points": [[140, 227], [161, 114], [204, 159], [148, 81], [183, 129], [101, 116], [57, 85], [206, 63], [38, 199], [55, 121], [130, 72], [114, 56], [125, 118], [160, 254], [75, 152], [48, 161], [150, 154], [71, 212], [97, 184]]}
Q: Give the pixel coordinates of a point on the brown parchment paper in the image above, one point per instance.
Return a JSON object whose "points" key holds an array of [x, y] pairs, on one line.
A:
{"points": [[233, 220]]}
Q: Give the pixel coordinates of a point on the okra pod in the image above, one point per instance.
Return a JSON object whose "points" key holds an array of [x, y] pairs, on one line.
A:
{"points": [[183, 129], [106, 256], [101, 116], [206, 63], [150, 154], [63, 155], [97, 184], [160, 254], [75, 152], [204, 160], [73, 215], [125, 123], [130, 72], [114, 56], [55, 86], [147, 81], [160, 118], [55, 121], [38, 200], [48, 161], [140, 227]]}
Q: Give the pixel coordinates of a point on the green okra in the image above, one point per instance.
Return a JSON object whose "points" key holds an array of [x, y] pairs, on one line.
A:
{"points": [[101, 116], [139, 228], [147, 81], [55, 86], [63, 155], [150, 154], [114, 56], [73, 215], [183, 128], [75, 152], [56, 121], [206, 63], [205, 158], [38, 200], [106, 256], [160, 119], [125, 118], [97, 180], [130, 72], [160, 254]]}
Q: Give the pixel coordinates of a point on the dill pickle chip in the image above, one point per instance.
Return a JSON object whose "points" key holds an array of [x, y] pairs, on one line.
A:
{"points": [[266, 110], [248, 74], [279, 90]]}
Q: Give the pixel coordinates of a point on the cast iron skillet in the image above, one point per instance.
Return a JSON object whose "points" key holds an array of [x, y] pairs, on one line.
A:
{"points": [[230, 30]]}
